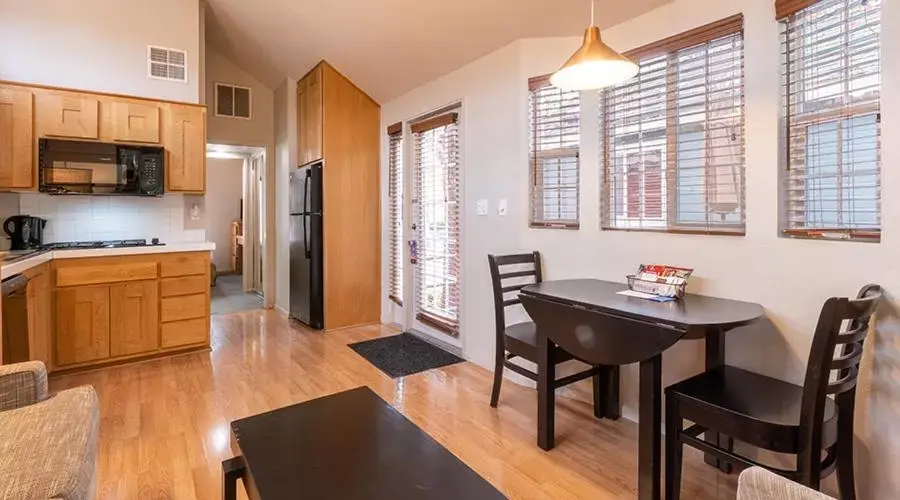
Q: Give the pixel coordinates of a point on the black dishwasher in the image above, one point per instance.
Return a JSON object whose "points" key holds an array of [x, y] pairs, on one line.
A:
{"points": [[15, 319]]}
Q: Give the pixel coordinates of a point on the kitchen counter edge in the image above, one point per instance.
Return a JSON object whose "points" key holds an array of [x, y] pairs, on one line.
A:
{"points": [[23, 265]]}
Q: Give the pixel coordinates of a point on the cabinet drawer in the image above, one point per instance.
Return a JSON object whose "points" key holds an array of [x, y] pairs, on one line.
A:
{"points": [[178, 333], [188, 285], [184, 264], [185, 307], [105, 273]]}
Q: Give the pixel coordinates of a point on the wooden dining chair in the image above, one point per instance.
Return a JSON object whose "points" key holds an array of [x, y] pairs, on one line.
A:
{"points": [[778, 416], [519, 340]]}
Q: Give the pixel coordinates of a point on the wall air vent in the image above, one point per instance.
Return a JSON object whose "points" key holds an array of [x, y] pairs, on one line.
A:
{"points": [[167, 64]]}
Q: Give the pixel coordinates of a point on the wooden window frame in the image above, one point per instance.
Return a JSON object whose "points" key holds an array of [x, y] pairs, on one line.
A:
{"points": [[785, 9], [395, 200], [536, 217], [216, 86], [669, 48]]}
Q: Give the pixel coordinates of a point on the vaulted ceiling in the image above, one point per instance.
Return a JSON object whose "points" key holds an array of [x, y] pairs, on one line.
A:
{"points": [[388, 47]]}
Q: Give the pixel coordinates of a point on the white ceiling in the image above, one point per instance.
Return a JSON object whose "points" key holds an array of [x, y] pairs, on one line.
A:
{"points": [[388, 47]]}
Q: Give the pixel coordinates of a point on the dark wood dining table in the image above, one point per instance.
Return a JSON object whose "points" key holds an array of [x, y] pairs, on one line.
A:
{"points": [[592, 321]]}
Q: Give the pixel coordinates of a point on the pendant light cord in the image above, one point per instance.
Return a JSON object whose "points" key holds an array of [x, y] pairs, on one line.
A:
{"points": [[592, 13]]}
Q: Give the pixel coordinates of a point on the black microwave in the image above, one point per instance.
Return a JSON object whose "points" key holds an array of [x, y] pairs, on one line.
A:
{"points": [[99, 168]]}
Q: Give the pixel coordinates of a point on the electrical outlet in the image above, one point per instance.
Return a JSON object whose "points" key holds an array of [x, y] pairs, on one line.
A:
{"points": [[502, 207]]}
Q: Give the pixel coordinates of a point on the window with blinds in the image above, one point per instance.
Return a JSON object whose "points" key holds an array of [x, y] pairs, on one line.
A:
{"points": [[437, 221], [554, 145], [395, 206], [831, 175], [673, 137]]}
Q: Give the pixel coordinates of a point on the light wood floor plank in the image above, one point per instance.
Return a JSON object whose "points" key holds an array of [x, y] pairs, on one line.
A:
{"points": [[164, 423]]}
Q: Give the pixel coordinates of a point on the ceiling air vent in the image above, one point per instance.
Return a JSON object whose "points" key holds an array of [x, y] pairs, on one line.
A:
{"points": [[232, 101], [167, 64]]}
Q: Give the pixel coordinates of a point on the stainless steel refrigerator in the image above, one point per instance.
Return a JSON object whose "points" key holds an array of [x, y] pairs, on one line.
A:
{"points": [[307, 287]]}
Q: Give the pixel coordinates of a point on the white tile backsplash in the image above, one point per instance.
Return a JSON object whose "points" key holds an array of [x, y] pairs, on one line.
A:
{"points": [[9, 205], [83, 218]]}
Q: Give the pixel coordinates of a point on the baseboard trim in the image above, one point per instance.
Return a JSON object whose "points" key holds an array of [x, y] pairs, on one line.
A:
{"points": [[452, 349]]}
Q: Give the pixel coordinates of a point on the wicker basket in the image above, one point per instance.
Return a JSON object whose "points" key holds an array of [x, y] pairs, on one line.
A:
{"points": [[656, 288]]}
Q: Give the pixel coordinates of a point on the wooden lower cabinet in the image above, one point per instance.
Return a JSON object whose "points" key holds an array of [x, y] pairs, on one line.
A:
{"points": [[186, 307], [134, 318], [182, 333], [112, 309], [40, 317], [82, 324]]}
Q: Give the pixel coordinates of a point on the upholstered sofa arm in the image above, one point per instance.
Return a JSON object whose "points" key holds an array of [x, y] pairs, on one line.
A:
{"points": [[22, 384], [757, 483]]}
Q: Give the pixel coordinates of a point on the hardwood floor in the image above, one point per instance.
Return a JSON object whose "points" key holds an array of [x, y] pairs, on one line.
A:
{"points": [[164, 423]]}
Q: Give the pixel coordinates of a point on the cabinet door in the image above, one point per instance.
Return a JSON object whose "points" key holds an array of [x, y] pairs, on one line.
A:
{"points": [[185, 142], [82, 324], [16, 137], [67, 114], [309, 119], [134, 318], [135, 121], [39, 316]]}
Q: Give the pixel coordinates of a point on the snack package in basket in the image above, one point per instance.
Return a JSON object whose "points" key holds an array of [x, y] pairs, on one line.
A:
{"points": [[661, 280]]}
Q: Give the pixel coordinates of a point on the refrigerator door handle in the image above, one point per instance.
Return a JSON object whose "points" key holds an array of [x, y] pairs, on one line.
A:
{"points": [[306, 247]]}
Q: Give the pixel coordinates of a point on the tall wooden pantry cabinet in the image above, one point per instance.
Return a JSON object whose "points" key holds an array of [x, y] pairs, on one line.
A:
{"points": [[340, 125]]}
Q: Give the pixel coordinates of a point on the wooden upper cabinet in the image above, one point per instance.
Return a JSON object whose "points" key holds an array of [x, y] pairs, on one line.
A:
{"points": [[134, 121], [309, 116], [184, 137], [67, 114], [16, 137], [134, 318], [82, 324]]}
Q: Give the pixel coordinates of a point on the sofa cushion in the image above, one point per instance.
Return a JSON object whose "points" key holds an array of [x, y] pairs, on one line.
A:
{"points": [[49, 449], [757, 483]]}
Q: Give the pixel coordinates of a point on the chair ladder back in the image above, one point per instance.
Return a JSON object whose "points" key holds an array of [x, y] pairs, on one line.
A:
{"points": [[834, 350], [498, 276]]}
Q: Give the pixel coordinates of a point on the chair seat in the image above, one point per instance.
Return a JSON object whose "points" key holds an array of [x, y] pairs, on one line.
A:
{"points": [[49, 449], [749, 407], [521, 340]]}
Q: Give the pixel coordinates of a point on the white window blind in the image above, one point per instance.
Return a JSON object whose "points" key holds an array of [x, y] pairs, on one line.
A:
{"points": [[395, 201], [673, 137], [555, 138], [437, 221], [831, 182]]}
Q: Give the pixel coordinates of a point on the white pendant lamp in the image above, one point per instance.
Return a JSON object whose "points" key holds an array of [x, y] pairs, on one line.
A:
{"points": [[593, 66]]}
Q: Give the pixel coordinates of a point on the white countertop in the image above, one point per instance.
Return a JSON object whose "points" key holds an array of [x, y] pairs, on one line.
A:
{"points": [[17, 267]]}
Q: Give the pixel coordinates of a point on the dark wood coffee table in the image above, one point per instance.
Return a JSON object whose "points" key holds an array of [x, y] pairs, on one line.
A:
{"points": [[350, 445]]}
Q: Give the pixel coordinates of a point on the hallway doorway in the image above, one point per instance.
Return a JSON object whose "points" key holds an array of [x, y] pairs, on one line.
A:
{"points": [[236, 222]]}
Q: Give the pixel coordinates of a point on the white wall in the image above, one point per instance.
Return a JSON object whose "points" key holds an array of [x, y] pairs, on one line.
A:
{"points": [[86, 218], [285, 99], [99, 44], [224, 190], [259, 129], [791, 278]]}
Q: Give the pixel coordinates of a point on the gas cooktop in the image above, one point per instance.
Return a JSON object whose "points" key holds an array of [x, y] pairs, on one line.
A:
{"points": [[75, 245]]}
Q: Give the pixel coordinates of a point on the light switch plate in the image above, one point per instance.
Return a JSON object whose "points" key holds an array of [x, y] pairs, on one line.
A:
{"points": [[482, 207], [502, 207]]}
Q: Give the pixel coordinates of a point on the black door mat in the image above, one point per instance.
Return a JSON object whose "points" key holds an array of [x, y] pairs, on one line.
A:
{"points": [[404, 354]]}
